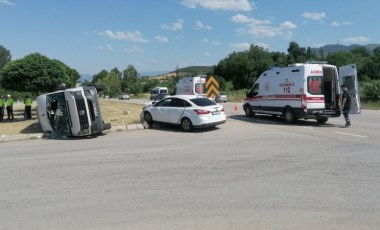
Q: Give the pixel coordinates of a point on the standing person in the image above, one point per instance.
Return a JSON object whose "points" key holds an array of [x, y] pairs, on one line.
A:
{"points": [[9, 104], [2, 102], [345, 105], [28, 107]]}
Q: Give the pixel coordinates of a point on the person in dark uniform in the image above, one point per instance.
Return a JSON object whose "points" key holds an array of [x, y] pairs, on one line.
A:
{"points": [[9, 107], [2, 106], [345, 105]]}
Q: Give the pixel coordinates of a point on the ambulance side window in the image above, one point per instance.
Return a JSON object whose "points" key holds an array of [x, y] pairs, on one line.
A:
{"points": [[253, 91], [314, 85]]}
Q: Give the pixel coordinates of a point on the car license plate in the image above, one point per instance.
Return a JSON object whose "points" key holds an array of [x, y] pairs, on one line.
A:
{"points": [[215, 113]]}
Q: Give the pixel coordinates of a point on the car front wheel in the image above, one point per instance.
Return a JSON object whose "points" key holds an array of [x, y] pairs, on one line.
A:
{"points": [[148, 119], [186, 124]]}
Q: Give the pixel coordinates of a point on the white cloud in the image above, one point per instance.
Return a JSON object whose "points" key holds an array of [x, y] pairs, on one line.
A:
{"points": [[162, 39], [128, 36], [264, 31], [265, 46], [263, 28], [335, 24], [207, 54], [288, 25], [134, 49], [199, 26], [314, 16], [178, 25], [205, 40], [227, 5], [216, 43], [239, 18], [7, 2], [355, 40], [240, 46], [107, 47]]}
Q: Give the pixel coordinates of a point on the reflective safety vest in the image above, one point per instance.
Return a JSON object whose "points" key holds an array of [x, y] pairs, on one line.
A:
{"points": [[1, 102], [28, 101], [10, 102]]}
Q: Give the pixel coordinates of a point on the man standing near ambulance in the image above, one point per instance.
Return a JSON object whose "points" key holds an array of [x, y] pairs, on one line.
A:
{"points": [[345, 105]]}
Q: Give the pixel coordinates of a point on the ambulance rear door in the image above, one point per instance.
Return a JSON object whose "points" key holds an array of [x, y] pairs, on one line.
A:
{"points": [[348, 75]]}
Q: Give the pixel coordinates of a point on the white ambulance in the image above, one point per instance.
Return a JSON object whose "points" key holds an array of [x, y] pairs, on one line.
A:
{"points": [[191, 86], [307, 91]]}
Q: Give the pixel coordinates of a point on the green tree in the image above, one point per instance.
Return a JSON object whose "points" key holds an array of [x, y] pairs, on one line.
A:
{"points": [[130, 77], [97, 78], [5, 56], [37, 73], [111, 83], [130, 74], [243, 68], [297, 54]]}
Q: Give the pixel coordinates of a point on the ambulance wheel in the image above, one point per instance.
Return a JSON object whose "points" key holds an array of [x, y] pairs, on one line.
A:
{"points": [[186, 124], [289, 116], [248, 111], [322, 120]]}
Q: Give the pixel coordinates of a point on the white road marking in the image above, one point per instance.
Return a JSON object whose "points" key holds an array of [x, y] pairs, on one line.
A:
{"points": [[305, 127], [350, 134]]}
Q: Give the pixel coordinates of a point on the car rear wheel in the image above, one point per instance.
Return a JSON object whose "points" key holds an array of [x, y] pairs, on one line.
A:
{"points": [[148, 119], [186, 124]]}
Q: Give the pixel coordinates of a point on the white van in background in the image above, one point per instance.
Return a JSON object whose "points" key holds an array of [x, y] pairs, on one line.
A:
{"points": [[158, 90], [308, 91]]}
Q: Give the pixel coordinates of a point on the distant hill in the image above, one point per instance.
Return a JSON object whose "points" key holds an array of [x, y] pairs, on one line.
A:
{"points": [[337, 48], [195, 70], [187, 71], [85, 77]]}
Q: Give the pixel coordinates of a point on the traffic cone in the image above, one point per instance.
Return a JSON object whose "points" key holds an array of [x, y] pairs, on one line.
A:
{"points": [[235, 108]]}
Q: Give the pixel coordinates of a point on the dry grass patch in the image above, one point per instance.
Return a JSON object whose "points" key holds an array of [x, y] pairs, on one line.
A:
{"points": [[120, 112], [114, 112]]}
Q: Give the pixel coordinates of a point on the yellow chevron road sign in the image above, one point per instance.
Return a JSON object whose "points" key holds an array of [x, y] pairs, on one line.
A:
{"points": [[212, 86]]}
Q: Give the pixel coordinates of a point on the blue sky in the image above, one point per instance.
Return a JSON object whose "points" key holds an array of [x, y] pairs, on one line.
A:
{"points": [[159, 35]]}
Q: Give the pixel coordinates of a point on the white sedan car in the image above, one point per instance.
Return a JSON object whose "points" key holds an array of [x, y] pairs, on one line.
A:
{"points": [[187, 111]]}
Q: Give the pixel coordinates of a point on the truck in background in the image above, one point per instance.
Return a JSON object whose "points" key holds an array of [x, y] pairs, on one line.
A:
{"points": [[71, 112], [304, 90]]}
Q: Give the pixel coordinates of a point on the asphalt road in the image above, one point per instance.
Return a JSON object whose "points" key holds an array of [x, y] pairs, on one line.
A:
{"points": [[250, 173]]}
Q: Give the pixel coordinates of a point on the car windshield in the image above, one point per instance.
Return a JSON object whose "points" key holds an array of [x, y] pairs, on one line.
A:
{"points": [[202, 101]]}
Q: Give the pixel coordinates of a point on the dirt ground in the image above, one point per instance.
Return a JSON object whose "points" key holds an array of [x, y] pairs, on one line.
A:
{"points": [[113, 111]]}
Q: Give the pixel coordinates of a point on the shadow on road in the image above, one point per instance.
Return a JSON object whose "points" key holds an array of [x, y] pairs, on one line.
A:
{"points": [[276, 120]]}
